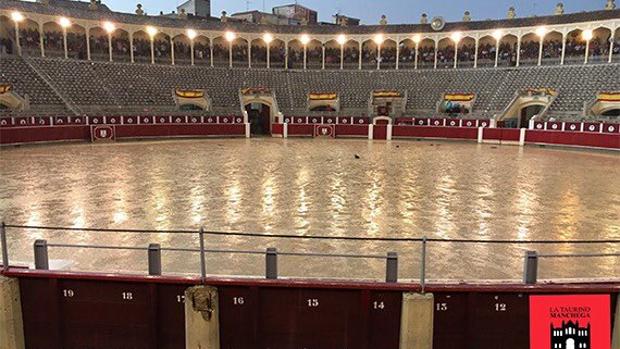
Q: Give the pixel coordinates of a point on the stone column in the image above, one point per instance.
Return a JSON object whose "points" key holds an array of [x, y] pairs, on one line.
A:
{"points": [[476, 53], [518, 50], [249, 53], [172, 50], [397, 53], [360, 55], [563, 49], [131, 47], [436, 49], [87, 32], [41, 40]]}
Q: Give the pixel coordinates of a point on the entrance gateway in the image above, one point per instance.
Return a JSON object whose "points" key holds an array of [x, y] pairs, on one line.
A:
{"points": [[261, 108]]}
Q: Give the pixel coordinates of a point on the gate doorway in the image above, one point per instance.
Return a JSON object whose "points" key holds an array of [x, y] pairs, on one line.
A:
{"points": [[259, 117], [527, 113]]}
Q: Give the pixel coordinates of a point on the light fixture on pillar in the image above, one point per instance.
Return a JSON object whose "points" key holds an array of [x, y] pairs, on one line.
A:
{"points": [[541, 32], [109, 27], [341, 39], [64, 22], [16, 16], [456, 36], [305, 39], [378, 39], [416, 39], [230, 36], [587, 35], [268, 38], [191, 34], [151, 31], [498, 34]]}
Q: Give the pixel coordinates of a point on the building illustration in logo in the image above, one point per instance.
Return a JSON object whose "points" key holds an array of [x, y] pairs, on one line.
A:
{"points": [[570, 336]]}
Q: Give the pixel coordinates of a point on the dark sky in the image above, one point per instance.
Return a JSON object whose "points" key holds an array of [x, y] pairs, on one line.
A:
{"points": [[369, 11]]}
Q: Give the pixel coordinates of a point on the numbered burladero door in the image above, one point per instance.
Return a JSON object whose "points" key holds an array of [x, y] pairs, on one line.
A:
{"points": [[78, 314], [284, 318], [481, 321]]}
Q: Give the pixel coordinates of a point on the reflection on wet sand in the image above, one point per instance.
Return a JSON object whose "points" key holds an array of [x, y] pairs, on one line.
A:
{"points": [[317, 187]]}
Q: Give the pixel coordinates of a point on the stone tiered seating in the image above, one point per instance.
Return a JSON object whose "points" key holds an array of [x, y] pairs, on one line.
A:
{"points": [[123, 86]]}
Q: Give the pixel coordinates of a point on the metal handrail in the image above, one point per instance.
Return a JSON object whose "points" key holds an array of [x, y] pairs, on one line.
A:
{"points": [[154, 250], [318, 237]]}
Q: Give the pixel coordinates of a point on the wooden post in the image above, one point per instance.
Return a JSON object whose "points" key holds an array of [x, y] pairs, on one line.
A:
{"points": [[202, 324], [416, 322], [11, 322]]}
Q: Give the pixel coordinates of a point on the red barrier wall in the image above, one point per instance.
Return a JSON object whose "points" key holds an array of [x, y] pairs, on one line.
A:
{"points": [[158, 130], [501, 134], [33, 134], [102, 311], [352, 130], [301, 130], [379, 132], [401, 131], [580, 139]]}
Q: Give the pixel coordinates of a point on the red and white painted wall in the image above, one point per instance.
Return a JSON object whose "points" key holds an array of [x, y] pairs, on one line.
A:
{"points": [[21, 130]]}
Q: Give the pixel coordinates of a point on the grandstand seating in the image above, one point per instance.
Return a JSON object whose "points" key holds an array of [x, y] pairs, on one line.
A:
{"points": [[116, 87]]}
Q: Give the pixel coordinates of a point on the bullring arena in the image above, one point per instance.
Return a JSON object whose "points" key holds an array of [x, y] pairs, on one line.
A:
{"points": [[186, 181]]}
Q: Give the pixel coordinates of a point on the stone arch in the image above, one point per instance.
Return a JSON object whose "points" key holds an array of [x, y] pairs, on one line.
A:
{"points": [[163, 53], [120, 46], [182, 50], [315, 54], [351, 54], [426, 53], [220, 52], [141, 47], [369, 54], [295, 54], [407, 54], [388, 54], [507, 50], [240, 52], [76, 42], [29, 37], [575, 47], [552, 47], [616, 48], [53, 39], [487, 48], [277, 53], [530, 44], [7, 36], [332, 54], [98, 44], [599, 45], [202, 50], [467, 52], [445, 53], [259, 53]]}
